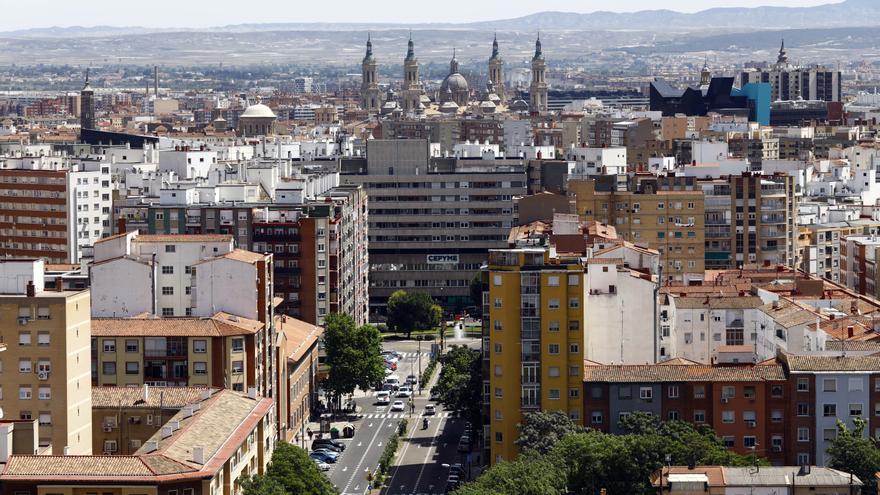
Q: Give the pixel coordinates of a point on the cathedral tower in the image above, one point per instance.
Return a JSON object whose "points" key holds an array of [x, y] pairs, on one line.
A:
{"points": [[370, 94], [496, 70], [412, 86], [538, 87], [87, 105]]}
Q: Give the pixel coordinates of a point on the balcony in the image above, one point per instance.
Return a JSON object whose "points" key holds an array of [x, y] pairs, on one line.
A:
{"points": [[287, 270], [275, 236]]}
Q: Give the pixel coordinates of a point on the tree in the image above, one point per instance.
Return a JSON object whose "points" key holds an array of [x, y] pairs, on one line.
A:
{"points": [[290, 471], [477, 290], [854, 452], [522, 477], [353, 356], [460, 384], [541, 431], [412, 311]]}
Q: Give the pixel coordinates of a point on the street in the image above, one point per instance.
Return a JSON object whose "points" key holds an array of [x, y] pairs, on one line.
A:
{"points": [[419, 467]]}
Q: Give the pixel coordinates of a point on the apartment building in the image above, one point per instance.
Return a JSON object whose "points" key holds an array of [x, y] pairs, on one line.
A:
{"points": [[744, 404], [858, 264], [751, 218], [821, 245], [298, 376], [790, 480], [202, 450], [666, 214], [46, 360], [546, 310], [53, 208], [703, 325], [123, 418], [431, 220]]}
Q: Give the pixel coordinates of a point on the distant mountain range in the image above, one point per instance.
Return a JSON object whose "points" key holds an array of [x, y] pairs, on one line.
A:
{"points": [[848, 13]]}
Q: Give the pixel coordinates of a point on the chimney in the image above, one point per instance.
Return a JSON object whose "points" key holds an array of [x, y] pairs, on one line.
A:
{"points": [[146, 393], [199, 455], [59, 284], [166, 432], [66, 450], [252, 392], [776, 304], [31, 290], [156, 80]]}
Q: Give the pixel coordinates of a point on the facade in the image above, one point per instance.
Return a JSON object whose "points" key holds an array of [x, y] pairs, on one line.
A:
{"points": [[538, 89], [823, 249], [703, 325], [496, 71], [46, 368], [431, 220], [858, 264], [297, 376], [411, 90], [53, 208], [371, 95], [789, 82], [202, 450], [667, 216]]}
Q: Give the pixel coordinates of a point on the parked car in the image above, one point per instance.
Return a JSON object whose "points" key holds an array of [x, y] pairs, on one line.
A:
{"points": [[404, 392], [323, 457], [430, 409], [322, 466], [328, 452], [328, 442], [397, 406]]}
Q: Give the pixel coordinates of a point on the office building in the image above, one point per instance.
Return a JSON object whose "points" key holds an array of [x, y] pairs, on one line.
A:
{"points": [[46, 366], [789, 82], [431, 220]]}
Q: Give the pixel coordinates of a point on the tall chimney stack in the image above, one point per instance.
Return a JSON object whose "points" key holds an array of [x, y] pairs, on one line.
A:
{"points": [[156, 80]]}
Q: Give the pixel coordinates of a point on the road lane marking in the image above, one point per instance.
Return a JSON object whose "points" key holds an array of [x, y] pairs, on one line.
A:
{"points": [[357, 469], [425, 463]]}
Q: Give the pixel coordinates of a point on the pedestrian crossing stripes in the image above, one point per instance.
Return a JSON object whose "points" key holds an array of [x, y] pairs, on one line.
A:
{"points": [[404, 415], [405, 355]]}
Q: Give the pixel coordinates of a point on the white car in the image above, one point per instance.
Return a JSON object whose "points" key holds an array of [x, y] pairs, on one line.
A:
{"points": [[397, 406], [404, 392], [322, 466], [430, 409]]}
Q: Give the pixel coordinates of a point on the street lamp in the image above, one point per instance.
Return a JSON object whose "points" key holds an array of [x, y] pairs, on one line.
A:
{"points": [[419, 340]]}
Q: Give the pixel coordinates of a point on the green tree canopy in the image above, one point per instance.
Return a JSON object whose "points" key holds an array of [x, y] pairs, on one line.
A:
{"points": [[540, 431], [460, 384], [854, 452], [522, 477], [290, 471], [353, 355], [408, 311]]}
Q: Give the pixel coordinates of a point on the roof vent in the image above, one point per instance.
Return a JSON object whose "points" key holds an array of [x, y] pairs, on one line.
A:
{"points": [[150, 446], [166, 432], [198, 455], [175, 425]]}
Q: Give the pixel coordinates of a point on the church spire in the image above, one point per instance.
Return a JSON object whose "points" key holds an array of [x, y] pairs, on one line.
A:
{"points": [[369, 55], [410, 50], [538, 53], [453, 64], [783, 55], [495, 47]]}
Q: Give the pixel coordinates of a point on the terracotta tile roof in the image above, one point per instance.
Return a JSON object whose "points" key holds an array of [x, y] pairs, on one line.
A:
{"points": [[170, 397], [716, 302], [183, 238], [789, 314], [76, 465], [853, 345], [237, 255], [110, 238], [715, 474], [832, 363], [219, 325], [50, 267], [679, 361], [681, 373], [300, 336], [605, 261]]}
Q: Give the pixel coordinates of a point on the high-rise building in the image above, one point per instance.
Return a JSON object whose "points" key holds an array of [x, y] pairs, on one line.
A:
{"points": [[538, 90], [665, 214], [496, 70], [53, 208], [371, 96], [789, 82], [46, 373]]}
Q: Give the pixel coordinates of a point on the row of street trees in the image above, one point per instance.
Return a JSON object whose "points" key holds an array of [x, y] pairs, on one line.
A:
{"points": [[353, 357]]}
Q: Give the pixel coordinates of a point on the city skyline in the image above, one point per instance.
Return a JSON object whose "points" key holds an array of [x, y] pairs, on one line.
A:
{"points": [[195, 15]]}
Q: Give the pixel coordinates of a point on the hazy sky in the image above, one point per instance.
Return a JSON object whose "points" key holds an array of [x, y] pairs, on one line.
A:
{"points": [[18, 14]]}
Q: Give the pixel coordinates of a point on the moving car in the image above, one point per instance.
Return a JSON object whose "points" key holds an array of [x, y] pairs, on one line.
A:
{"points": [[397, 406], [430, 409], [412, 380], [404, 392], [323, 457], [383, 397]]}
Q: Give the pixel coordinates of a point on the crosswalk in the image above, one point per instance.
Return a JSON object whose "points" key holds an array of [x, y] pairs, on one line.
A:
{"points": [[439, 415], [413, 355]]}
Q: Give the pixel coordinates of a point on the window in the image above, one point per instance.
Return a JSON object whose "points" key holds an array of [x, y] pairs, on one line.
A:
{"points": [[496, 280], [25, 392], [574, 325], [829, 410], [728, 416], [200, 368], [44, 393], [170, 248], [553, 304], [803, 459], [553, 371], [829, 434], [498, 415], [803, 435], [498, 347], [24, 366], [167, 291], [624, 392], [109, 345], [856, 384], [699, 416], [829, 385], [110, 445], [553, 281], [728, 392], [131, 345], [749, 442], [776, 391], [673, 415], [24, 338], [237, 344], [109, 368], [574, 393], [646, 393], [167, 269], [554, 326], [574, 371], [553, 349], [238, 366], [200, 346], [132, 368], [855, 410], [574, 302], [497, 370], [498, 325], [573, 348], [596, 417], [803, 385], [167, 311], [596, 392], [672, 391], [776, 416], [499, 437], [729, 442], [803, 409], [749, 392], [498, 302], [573, 280], [554, 394], [699, 391]]}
